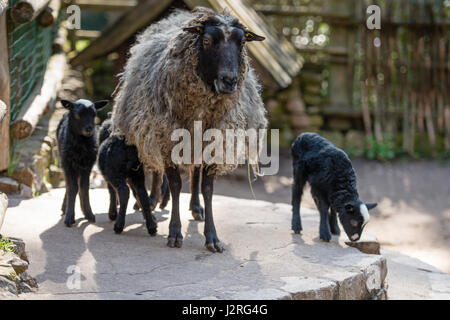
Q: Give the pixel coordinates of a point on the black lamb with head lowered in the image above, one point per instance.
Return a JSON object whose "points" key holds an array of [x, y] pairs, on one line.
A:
{"points": [[78, 151], [120, 166], [330, 174]]}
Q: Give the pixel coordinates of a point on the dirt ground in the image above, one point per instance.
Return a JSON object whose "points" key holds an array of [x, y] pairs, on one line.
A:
{"points": [[413, 213]]}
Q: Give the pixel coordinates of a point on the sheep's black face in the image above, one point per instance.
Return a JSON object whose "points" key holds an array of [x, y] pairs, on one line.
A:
{"points": [[82, 115], [354, 217], [219, 50]]}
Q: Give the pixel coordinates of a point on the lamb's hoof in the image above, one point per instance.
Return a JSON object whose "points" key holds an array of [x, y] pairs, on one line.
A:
{"points": [[152, 231], [163, 204], [325, 237], [112, 216], [151, 225], [90, 218], [136, 206], [175, 239], [198, 213], [69, 221], [213, 243], [297, 231], [336, 231], [118, 227]]}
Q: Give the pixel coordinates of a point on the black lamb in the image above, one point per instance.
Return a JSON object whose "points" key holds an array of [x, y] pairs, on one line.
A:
{"points": [[120, 166], [330, 174], [78, 151]]}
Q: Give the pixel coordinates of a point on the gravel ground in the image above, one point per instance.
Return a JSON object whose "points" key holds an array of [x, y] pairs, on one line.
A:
{"points": [[413, 213]]}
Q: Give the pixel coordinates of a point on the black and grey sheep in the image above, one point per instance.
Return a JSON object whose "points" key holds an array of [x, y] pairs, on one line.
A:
{"points": [[190, 66], [121, 168], [330, 174], [78, 151]]}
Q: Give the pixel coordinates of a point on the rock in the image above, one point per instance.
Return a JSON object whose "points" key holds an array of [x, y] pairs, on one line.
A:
{"points": [[24, 175], [8, 185], [306, 288], [3, 207], [19, 248], [26, 191], [56, 175], [13, 260], [29, 280], [366, 244], [7, 271], [7, 286]]}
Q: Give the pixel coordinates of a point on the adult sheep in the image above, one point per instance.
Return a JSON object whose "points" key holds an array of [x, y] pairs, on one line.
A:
{"points": [[191, 66]]}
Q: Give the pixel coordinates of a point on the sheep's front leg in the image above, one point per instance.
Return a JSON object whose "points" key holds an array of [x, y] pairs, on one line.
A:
{"points": [[194, 205], [323, 206], [112, 211], [297, 192], [64, 205], [175, 237], [137, 183], [334, 227], [212, 243], [83, 183], [71, 194]]}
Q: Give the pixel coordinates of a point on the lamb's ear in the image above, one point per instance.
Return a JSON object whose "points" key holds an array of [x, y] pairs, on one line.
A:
{"points": [[100, 104], [67, 104], [251, 36], [195, 29], [371, 205]]}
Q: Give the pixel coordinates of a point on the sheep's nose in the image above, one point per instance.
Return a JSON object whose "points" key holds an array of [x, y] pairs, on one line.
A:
{"points": [[228, 78]]}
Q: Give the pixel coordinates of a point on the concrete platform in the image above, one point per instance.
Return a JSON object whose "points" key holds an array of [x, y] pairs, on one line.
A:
{"points": [[263, 258]]}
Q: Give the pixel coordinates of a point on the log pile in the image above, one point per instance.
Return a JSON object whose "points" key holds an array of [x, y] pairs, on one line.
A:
{"points": [[26, 11]]}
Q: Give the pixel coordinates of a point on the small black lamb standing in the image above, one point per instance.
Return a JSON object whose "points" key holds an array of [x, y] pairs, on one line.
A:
{"points": [[120, 166], [332, 179], [78, 151]]}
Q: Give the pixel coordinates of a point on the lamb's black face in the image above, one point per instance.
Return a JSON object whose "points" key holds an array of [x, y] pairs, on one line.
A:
{"points": [[219, 49], [82, 113], [354, 217]]}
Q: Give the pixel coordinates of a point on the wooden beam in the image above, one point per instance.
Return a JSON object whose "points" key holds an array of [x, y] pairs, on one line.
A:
{"points": [[4, 95], [50, 14], [46, 94], [133, 20], [3, 110], [106, 5], [25, 11]]}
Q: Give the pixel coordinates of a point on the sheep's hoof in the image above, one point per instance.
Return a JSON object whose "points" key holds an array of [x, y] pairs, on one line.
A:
{"points": [[118, 228], [297, 231], [213, 243], [69, 221], [153, 203], [326, 237], [136, 206], [91, 218], [163, 204], [174, 242], [336, 231], [198, 213]]}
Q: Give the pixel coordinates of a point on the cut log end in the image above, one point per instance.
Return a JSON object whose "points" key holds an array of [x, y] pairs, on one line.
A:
{"points": [[21, 130], [47, 17], [22, 13]]}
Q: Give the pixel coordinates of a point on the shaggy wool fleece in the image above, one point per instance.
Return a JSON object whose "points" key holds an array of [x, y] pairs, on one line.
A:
{"points": [[160, 91]]}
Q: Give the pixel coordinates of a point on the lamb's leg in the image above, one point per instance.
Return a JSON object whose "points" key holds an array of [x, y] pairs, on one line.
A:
{"points": [[112, 211], [137, 184], [194, 205], [64, 205], [124, 194], [175, 237], [334, 227], [212, 243], [83, 184], [323, 206], [165, 191], [297, 192], [71, 192]]}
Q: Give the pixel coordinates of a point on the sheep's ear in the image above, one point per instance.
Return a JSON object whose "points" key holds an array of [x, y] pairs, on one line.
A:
{"points": [[195, 29], [251, 36], [371, 205], [100, 104], [67, 104]]}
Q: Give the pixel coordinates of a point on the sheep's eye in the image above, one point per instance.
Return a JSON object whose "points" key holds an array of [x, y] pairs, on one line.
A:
{"points": [[206, 42]]}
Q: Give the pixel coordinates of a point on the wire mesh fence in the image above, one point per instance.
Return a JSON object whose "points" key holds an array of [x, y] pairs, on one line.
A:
{"points": [[30, 48]]}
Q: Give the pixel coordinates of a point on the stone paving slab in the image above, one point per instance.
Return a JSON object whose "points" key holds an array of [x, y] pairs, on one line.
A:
{"points": [[263, 258]]}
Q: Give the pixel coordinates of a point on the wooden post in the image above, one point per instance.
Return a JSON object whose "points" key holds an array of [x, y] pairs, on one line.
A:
{"points": [[25, 11], [4, 94], [35, 106], [49, 14]]}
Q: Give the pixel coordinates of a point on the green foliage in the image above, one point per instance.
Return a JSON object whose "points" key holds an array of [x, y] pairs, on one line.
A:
{"points": [[6, 245], [382, 151]]}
